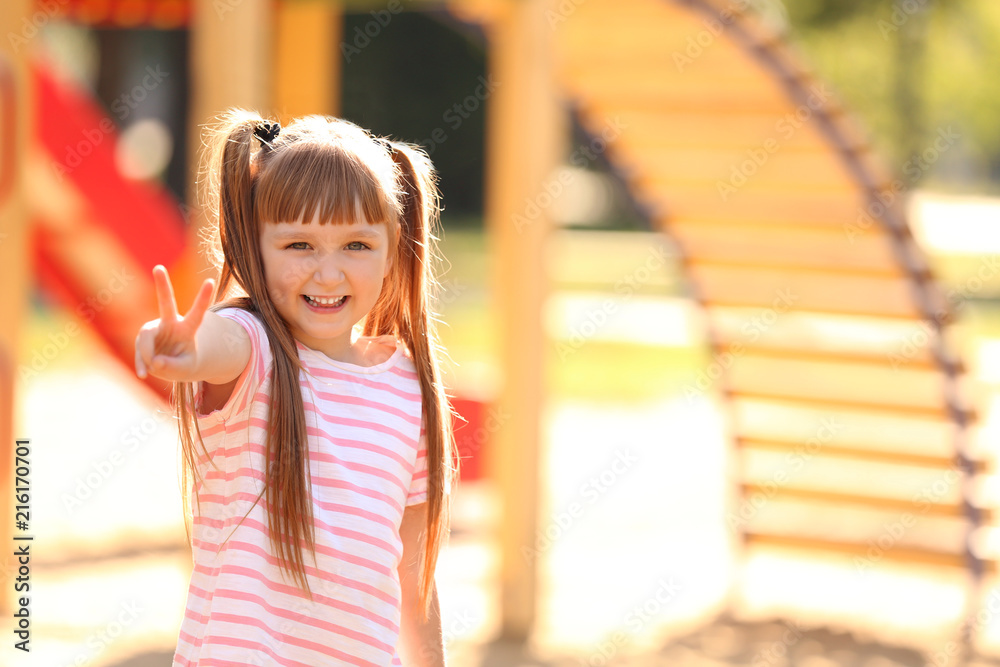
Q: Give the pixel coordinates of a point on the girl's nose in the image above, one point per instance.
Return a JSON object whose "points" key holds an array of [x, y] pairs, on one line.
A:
{"points": [[328, 272]]}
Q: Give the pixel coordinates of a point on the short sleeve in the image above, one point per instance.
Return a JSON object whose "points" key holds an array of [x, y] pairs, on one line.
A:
{"points": [[418, 484], [255, 372]]}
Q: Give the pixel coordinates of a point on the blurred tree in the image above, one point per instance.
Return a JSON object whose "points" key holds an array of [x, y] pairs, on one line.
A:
{"points": [[923, 74]]}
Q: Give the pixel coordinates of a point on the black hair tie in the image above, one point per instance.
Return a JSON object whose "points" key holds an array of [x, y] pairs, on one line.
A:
{"points": [[386, 144], [267, 131]]}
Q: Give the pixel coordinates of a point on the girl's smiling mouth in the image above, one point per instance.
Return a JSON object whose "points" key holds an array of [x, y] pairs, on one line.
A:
{"points": [[325, 304]]}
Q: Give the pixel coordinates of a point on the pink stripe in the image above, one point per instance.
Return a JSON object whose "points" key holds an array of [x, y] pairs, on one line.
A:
{"points": [[403, 373], [367, 382], [280, 612], [244, 643], [259, 448], [216, 499], [325, 457], [331, 482], [326, 550], [251, 573], [321, 575], [339, 508], [360, 423], [336, 531], [229, 476], [341, 630], [210, 662], [345, 399]]}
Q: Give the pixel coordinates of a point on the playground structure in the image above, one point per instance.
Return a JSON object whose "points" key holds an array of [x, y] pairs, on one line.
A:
{"points": [[825, 322]]}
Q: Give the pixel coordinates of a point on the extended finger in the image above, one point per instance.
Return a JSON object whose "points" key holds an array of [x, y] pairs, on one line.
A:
{"points": [[145, 344], [201, 303], [140, 368], [164, 293]]}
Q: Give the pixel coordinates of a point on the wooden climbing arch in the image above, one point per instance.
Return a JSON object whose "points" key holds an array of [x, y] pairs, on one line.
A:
{"points": [[827, 329]]}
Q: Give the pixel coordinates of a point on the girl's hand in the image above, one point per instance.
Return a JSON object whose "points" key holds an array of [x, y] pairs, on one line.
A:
{"points": [[166, 347]]}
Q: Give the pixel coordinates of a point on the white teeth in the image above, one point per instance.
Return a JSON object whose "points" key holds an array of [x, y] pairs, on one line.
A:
{"points": [[326, 301]]}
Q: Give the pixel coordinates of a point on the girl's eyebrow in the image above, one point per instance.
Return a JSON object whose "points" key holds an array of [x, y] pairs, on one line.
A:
{"points": [[365, 232]]}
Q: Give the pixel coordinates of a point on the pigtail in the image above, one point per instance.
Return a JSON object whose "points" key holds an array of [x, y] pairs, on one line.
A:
{"points": [[231, 179], [404, 309]]}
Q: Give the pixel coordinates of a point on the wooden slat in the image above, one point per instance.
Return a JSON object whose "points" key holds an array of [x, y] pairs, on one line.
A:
{"points": [[787, 289], [837, 500], [871, 453], [659, 33], [826, 247], [897, 342], [906, 485], [932, 412], [820, 426], [646, 89], [606, 75], [882, 386], [656, 182], [704, 129], [794, 265], [898, 554], [802, 519], [703, 203], [742, 170]]}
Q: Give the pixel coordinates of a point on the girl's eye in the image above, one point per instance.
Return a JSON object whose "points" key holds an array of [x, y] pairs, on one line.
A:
{"points": [[298, 245], [353, 245]]}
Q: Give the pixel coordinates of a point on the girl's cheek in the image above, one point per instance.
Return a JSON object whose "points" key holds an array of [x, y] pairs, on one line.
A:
{"points": [[297, 271]]}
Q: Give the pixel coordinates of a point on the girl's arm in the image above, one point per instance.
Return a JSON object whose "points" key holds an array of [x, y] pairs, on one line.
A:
{"points": [[201, 346], [420, 641]]}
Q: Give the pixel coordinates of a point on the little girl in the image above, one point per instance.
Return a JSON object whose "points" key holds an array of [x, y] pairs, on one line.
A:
{"points": [[325, 458]]}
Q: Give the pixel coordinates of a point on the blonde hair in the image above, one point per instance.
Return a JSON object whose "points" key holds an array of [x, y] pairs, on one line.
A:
{"points": [[333, 168]]}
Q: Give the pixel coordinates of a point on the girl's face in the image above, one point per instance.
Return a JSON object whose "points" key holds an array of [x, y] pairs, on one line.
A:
{"points": [[323, 279]]}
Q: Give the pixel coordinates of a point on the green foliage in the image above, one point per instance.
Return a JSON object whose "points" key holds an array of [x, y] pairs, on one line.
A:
{"points": [[867, 49]]}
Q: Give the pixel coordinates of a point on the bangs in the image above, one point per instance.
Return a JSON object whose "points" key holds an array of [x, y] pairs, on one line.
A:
{"points": [[304, 179]]}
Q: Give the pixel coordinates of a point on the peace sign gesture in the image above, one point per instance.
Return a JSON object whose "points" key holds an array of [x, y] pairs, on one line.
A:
{"points": [[167, 347]]}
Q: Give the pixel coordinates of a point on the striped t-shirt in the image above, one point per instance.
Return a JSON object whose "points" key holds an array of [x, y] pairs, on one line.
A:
{"points": [[367, 461]]}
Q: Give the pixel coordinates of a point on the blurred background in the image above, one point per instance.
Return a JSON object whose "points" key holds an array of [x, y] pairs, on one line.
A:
{"points": [[719, 288]]}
